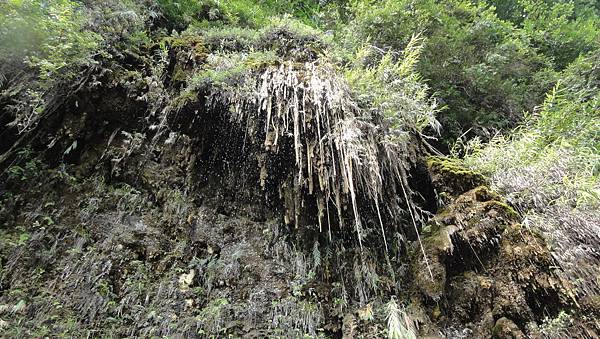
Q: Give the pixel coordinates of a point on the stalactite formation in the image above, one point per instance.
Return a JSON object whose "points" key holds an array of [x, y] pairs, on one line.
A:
{"points": [[341, 155]]}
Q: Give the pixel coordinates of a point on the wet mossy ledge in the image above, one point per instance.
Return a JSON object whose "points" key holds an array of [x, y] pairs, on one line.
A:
{"points": [[450, 178]]}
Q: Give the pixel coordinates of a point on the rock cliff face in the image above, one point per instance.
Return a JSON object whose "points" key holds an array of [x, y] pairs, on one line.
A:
{"points": [[163, 247], [204, 212]]}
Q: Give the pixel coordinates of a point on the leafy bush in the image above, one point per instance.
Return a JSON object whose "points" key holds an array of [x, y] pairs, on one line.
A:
{"points": [[560, 30], [488, 64], [48, 37], [394, 88], [244, 13], [550, 170]]}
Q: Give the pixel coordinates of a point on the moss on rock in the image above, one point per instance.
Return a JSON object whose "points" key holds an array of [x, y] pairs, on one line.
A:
{"points": [[450, 177]]}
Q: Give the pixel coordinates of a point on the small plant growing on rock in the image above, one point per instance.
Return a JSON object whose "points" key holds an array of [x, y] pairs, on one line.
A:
{"points": [[400, 326]]}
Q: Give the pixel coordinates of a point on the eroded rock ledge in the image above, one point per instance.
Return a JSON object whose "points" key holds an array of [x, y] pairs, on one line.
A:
{"points": [[490, 274]]}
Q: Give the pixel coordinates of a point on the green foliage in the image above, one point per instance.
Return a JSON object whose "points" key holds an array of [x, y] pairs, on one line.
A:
{"points": [[50, 39], [48, 49], [550, 166], [185, 11], [287, 37], [31, 169], [560, 31], [568, 118], [244, 13], [549, 169], [394, 88], [48, 36], [485, 62], [465, 67], [228, 69]]}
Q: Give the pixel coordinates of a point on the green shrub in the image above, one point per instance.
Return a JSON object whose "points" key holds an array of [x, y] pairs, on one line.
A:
{"points": [[549, 169], [563, 131], [395, 89], [489, 61], [244, 13], [560, 31], [48, 37]]}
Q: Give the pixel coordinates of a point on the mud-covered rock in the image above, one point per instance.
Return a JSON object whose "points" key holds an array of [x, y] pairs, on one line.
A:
{"points": [[506, 329]]}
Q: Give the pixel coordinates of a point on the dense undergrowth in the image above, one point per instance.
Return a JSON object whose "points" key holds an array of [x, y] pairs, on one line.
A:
{"points": [[549, 169], [300, 128]]}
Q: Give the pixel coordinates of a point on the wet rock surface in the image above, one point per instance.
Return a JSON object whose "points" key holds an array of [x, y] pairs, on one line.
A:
{"points": [[151, 260], [147, 261], [145, 252]]}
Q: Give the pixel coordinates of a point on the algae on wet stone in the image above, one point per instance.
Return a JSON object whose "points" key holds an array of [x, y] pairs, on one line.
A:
{"points": [[450, 177]]}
